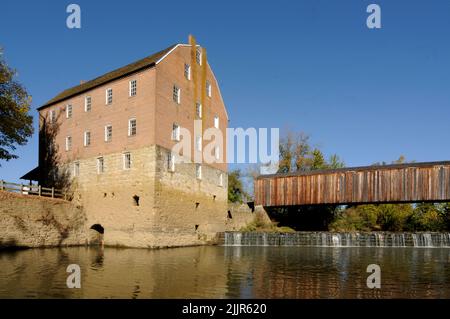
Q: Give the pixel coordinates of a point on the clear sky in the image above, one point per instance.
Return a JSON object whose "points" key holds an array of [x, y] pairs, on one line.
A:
{"points": [[314, 66]]}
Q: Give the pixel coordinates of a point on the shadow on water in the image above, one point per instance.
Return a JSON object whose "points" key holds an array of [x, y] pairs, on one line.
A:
{"points": [[226, 272]]}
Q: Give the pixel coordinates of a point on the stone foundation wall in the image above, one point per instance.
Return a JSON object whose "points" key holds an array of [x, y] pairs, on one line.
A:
{"points": [[32, 221], [174, 208]]}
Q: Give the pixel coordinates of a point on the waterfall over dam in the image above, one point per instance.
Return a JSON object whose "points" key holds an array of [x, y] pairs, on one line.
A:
{"points": [[331, 239]]}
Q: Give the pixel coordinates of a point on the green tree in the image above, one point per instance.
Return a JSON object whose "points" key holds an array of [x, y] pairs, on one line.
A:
{"points": [[236, 193], [16, 125], [318, 161]]}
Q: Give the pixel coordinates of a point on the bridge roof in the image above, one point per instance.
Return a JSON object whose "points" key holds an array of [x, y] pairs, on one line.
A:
{"points": [[358, 168]]}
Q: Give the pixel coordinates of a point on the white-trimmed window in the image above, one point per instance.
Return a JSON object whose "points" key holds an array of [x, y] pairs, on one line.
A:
{"points": [[87, 138], [208, 88], [100, 165], [198, 55], [68, 143], [109, 96], [108, 133], [221, 179], [171, 162], [76, 169], [187, 71], [133, 88], [176, 94], [52, 116], [198, 171], [132, 127], [217, 152], [87, 104], [175, 132], [68, 111], [198, 110], [216, 121], [126, 160], [198, 143]]}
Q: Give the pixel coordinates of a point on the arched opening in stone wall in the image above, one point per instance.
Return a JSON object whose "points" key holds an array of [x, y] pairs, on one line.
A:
{"points": [[96, 233], [99, 228]]}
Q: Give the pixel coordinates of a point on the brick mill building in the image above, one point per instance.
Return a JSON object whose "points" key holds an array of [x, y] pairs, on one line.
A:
{"points": [[114, 138]]}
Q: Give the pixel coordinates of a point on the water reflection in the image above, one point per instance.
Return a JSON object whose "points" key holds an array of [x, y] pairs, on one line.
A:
{"points": [[226, 272]]}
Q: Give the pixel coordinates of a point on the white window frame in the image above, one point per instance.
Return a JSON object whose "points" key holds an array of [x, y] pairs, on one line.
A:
{"points": [[87, 105], [198, 110], [176, 94], [187, 71], [127, 161], [100, 165], [217, 152], [52, 116], [199, 55], [86, 139], [130, 127], [171, 162], [216, 121], [69, 111], [76, 169], [175, 132], [208, 89], [106, 133], [198, 143], [107, 95], [133, 88], [68, 143], [198, 171]]}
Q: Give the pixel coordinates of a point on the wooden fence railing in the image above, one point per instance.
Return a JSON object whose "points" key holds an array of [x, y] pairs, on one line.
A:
{"points": [[36, 190]]}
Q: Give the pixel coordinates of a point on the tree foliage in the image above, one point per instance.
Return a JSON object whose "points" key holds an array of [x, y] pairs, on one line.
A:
{"points": [[16, 125], [297, 155], [236, 193]]}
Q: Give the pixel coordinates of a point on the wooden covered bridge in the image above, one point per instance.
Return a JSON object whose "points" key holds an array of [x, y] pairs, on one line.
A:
{"points": [[400, 183]]}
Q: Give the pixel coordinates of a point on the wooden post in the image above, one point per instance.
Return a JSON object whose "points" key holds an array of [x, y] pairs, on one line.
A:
{"points": [[40, 190], [53, 192], [2, 187], [21, 188]]}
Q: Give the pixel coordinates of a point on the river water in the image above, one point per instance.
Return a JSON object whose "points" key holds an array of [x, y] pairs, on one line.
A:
{"points": [[226, 272]]}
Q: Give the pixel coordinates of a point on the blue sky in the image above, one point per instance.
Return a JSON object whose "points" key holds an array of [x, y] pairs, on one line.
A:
{"points": [[311, 66]]}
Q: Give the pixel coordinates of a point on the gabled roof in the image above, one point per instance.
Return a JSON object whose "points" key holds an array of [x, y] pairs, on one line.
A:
{"points": [[147, 62]]}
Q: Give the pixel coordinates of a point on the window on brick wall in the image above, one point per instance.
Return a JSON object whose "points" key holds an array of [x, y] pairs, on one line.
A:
{"points": [[133, 87], [198, 110], [198, 171], [108, 133], [198, 55], [87, 138], [68, 111], [68, 143], [208, 89], [187, 71], [76, 169], [175, 132], [216, 121], [87, 104], [171, 162], [132, 127], [126, 160], [100, 165], [176, 94], [217, 152], [198, 143], [52, 116], [109, 96]]}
